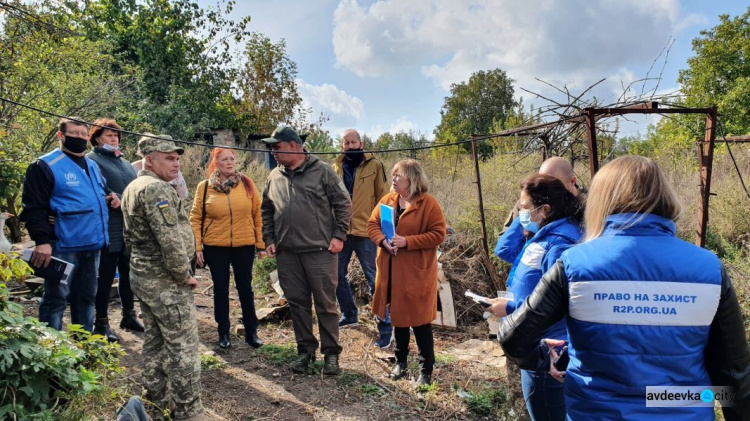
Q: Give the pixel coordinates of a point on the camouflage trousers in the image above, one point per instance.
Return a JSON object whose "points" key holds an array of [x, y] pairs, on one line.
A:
{"points": [[170, 349]]}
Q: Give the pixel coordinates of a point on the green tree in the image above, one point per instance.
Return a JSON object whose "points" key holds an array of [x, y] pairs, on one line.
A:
{"points": [[474, 106], [268, 86], [51, 67], [180, 51], [719, 73], [384, 141]]}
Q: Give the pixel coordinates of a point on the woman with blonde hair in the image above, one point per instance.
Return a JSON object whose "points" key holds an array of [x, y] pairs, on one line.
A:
{"points": [[227, 226], [643, 308], [406, 275]]}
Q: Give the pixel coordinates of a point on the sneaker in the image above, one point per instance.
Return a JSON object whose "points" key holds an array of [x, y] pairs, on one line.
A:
{"points": [[398, 371], [344, 323], [384, 341], [331, 365], [301, 364]]}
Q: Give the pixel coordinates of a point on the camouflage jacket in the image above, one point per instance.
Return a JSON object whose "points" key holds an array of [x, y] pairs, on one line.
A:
{"points": [[157, 230]]}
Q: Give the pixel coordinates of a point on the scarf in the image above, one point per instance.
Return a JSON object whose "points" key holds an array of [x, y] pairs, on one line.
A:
{"points": [[227, 185]]}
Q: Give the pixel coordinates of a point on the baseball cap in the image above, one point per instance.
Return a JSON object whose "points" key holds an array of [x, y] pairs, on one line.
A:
{"points": [[283, 133], [161, 143]]}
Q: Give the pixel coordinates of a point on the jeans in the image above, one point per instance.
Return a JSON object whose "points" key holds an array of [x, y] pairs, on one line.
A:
{"points": [[366, 252], [241, 260], [80, 290], [108, 265], [544, 396]]}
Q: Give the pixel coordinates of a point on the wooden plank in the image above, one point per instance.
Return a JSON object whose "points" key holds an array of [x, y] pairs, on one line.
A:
{"points": [[446, 317]]}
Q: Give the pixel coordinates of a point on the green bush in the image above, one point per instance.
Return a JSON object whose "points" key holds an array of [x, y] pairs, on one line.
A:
{"points": [[44, 369], [262, 275]]}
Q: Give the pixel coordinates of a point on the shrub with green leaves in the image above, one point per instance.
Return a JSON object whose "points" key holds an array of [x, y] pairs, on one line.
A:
{"points": [[44, 369], [262, 275]]}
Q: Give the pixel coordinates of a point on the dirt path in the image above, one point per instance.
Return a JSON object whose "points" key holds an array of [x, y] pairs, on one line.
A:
{"points": [[257, 385]]}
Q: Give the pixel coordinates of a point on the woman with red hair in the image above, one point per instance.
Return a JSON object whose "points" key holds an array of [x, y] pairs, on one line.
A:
{"points": [[227, 225]]}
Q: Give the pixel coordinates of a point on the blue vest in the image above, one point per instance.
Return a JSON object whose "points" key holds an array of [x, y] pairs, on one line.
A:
{"points": [[538, 255], [78, 204], [641, 305]]}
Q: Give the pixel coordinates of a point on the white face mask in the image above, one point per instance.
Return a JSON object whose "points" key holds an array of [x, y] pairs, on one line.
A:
{"points": [[108, 147]]}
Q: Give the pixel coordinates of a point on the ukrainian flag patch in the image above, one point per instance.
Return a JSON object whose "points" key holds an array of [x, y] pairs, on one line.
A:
{"points": [[163, 204]]}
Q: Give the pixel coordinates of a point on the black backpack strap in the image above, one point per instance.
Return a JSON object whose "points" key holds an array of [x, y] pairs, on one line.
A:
{"points": [[203, 214]]}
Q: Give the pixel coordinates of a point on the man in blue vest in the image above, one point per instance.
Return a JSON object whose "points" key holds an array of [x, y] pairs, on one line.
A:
{"points": [[65, 211]]}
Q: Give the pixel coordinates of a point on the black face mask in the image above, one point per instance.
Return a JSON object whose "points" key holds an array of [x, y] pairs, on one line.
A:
{"points": [[75, 144], [355, 156]]}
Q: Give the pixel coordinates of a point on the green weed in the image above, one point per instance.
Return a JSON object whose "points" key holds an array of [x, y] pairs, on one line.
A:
{"points": [[278, 355], [211, 362]]}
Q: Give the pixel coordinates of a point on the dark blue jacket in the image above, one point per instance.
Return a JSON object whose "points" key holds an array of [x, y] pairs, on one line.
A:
{"points": [[640, 309], [535, 258], [78, 204]]}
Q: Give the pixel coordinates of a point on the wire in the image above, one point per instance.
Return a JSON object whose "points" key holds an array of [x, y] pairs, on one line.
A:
{"points": [[731, 155], [265, 150]]}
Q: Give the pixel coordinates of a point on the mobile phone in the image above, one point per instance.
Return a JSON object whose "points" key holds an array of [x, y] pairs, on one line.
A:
{"points": [[562, 360]]}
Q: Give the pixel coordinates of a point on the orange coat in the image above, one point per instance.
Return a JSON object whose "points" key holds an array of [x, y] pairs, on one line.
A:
{"points": [[232, 220], [414, 268]]}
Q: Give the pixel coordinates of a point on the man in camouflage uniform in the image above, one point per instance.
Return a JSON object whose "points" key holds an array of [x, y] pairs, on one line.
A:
{"points": [[161, 242]]}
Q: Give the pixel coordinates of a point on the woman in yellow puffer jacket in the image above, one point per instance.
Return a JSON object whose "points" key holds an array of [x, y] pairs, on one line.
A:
{"points": [[227, 225]]}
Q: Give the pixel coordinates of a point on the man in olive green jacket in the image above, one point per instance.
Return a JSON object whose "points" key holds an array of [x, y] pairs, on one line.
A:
{"points": [[306, 212], [366, 182]]}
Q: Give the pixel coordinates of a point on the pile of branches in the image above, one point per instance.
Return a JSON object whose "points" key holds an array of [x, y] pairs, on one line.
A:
{"points": [[467, 267]]}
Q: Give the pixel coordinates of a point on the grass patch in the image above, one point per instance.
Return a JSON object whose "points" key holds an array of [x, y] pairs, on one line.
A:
{"points": [[485, 401], [444, 359], [212, 362], [278, 354], [428, 388], [371, 391], [348, 378]]}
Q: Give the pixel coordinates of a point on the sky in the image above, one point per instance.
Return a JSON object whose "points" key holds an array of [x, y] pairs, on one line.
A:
{"points": [[380, 66]]}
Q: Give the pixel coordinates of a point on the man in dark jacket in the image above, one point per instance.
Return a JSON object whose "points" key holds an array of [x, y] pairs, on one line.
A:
{"points": [[306, 211], [65, 211]]}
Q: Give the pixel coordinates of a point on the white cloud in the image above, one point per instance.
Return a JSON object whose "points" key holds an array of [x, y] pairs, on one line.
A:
{"points": [[575, 42], [342, 109]]}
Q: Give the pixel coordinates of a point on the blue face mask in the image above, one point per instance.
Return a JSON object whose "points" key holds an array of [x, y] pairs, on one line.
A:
{"points": [[524, 217], [108, 147]]}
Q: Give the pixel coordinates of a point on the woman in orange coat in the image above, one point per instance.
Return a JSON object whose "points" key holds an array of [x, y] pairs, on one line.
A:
{"points": [[227, 226], [407, 265]]}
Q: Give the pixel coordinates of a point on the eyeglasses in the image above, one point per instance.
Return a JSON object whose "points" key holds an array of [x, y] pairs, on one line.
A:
{"points": [[397, 177]]}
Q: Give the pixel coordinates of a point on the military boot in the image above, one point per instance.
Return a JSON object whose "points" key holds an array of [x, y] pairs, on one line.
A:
{"points": [[101, 327], [302, 362], [331, 365], [130, 321]]}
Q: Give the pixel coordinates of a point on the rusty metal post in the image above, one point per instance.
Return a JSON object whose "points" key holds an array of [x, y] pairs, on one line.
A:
{"points": [[479, 191], [593, 150], [706, 163]]}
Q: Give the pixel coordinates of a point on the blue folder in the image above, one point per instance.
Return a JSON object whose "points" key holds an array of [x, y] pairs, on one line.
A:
{"points": [[387, 221]]}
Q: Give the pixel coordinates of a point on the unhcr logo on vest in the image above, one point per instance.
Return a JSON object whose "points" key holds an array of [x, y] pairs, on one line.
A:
{"points": [[72, 179]]}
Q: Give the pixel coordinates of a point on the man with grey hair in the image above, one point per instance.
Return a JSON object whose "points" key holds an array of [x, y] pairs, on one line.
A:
{"points": [[161, 243], [366, 182]]}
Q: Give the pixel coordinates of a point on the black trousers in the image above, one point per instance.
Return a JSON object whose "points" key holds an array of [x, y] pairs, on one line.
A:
{"points": [[109, 263], [425, 343], [241, 259]]}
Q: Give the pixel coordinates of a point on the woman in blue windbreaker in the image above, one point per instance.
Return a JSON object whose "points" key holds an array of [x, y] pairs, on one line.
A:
{"points": [[550, 217], [643, 308]]}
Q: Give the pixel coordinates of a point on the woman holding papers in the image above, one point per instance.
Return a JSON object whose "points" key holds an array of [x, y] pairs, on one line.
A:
{"points": [[647, 313], [550, 217], [407, 268]]}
